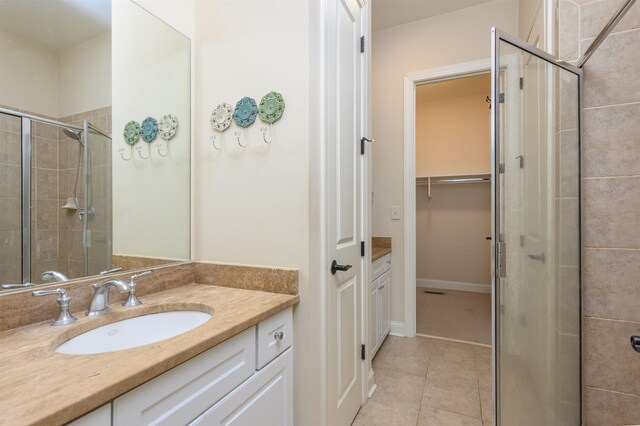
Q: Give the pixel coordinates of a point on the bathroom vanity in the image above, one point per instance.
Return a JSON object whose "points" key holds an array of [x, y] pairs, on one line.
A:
{"points": [[235, 368]]}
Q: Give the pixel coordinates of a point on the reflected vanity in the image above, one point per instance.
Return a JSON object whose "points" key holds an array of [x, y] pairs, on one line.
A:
{"points": [[74, 73]]}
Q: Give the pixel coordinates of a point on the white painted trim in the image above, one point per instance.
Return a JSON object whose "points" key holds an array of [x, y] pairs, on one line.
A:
{"points": [[372, 385], [397, 329], [453, 285], [410, 81]]}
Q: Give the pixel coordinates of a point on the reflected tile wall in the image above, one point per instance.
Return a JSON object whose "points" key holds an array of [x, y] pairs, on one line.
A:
{"points": [[611, 147]]}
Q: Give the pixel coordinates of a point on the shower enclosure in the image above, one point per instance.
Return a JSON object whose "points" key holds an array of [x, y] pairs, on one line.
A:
{"points": [[537, 255], [55, 195]]}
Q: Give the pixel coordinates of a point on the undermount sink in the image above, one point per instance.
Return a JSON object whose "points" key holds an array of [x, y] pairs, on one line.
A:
{"points": [[133, 332]]}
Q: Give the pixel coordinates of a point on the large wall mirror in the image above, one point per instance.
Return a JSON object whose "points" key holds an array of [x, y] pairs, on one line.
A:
{"points": [[78, 197]]}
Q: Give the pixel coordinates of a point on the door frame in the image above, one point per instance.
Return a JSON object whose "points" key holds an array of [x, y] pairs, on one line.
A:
{"points": [[411, 80]]}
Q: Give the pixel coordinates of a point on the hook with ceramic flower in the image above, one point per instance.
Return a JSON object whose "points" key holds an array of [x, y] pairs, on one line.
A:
{"points": [[244, 116], [131, 136], [220, 121], [270, 111], [167, 127], [148, 132]]}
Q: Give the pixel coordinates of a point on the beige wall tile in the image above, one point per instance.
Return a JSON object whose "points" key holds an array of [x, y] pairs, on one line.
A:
{"points": [[44, 130], [569, 228], [569, 287], [46, 215], [569, 37], [45, 152], [10, 181], [610, 76], [46, 245], [611, 212], [46, 184], [569, 163], [595, 15], [609, 360], [612, 284], [610, 408], [10, 148], [11, 216], [611, 141]]}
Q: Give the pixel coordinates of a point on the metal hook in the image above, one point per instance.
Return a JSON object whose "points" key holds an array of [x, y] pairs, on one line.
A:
{"points": [[121, 151], [237, 136], [160, 153], [139, 151], [213, 140], [263, 130]]}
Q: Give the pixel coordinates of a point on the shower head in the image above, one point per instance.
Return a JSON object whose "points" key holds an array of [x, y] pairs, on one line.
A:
{"points": [[73, 134]]}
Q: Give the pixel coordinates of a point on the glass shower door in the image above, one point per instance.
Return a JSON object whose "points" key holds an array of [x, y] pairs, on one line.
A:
{"points": [[536, 131]]}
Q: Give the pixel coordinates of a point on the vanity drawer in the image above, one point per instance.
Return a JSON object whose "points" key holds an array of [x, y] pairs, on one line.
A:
{"points": [[98, 417], [183, 393], [387, 262], [275, 335], [377, 268]]}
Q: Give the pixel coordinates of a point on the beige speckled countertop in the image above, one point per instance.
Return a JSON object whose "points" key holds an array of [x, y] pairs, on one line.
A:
{"points": [[380, 246], [40, 386]]}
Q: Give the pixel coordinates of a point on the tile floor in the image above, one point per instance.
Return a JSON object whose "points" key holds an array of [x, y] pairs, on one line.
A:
{"points": [[424, 381]]}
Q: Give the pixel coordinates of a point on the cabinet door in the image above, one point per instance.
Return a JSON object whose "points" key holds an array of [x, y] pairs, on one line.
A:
{"points": [[374, 315], [385, 304], [266, 399], [98, 417]]}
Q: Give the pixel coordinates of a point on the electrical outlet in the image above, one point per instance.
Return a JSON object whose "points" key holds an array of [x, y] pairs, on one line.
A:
{"points": [[395, 212]]}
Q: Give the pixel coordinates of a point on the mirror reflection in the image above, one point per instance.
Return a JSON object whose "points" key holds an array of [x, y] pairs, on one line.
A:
{"points": [[75, 198]]}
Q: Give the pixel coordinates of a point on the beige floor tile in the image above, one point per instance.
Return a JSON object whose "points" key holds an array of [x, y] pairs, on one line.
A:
{"points": [[406, 355], [459, 395], [441, 366], [430, 416], [380, 413]]}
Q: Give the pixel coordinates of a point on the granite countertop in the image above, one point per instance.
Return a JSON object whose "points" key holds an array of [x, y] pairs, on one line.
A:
{"points": [[378, 252], [40, 386]]}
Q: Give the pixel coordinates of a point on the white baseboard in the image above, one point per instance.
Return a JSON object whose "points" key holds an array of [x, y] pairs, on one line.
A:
{"points": [[397, 328], [453, 285]]}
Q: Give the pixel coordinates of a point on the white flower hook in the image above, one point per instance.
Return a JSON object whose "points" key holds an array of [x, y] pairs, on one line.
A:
{"points": [[139, 151], [236, 134], [214, 139], [159, 149], [121, 151], [263, 130]]}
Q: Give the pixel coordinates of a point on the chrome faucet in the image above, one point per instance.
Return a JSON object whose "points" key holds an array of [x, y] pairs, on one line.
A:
{"points": [[100, 301], [133, 300], [54, 276]]}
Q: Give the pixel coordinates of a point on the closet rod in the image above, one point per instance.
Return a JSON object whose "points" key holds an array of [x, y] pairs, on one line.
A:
{"points": [[436, 181]]}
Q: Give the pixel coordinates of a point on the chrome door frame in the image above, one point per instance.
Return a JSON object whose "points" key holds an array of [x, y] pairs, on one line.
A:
{"points": [[496, 37]]}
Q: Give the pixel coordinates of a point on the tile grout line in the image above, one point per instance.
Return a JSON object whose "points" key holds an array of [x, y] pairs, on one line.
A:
{"points": [[424, 386], [475, 358]]}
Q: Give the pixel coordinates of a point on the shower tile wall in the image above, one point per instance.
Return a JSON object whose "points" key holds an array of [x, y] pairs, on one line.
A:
{"points": [[611, 180]]}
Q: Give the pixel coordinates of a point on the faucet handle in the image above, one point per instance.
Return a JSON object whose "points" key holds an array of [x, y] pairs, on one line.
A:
{"points": [[64, 317], [133, 300]]}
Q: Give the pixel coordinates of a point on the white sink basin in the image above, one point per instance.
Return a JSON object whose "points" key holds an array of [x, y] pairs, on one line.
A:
{"points": [[133, 332]]}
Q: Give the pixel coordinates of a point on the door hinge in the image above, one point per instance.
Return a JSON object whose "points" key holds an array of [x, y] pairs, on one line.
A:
{"points": [[521, 159], [501, 98], [362, 248], [521, 83], [362, 352], [501, 255], [501, 168], [362, 44]]}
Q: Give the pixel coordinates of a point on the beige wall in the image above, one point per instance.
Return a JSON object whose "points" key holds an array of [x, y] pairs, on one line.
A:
{"points": [[84, 70], [453, 127], [28, 76], [611, 203], [453, 38], [252, 204]]}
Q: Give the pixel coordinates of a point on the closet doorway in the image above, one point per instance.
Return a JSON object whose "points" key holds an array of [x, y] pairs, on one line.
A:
{"points": [[453, 209]]}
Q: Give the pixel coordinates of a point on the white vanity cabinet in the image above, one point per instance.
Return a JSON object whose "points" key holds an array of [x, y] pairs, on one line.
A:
{"points": [[245, 380], [379, 302]]}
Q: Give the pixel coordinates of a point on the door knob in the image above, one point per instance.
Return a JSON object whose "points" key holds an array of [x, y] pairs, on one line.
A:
{"points": [[336, 267], [635, 343]]}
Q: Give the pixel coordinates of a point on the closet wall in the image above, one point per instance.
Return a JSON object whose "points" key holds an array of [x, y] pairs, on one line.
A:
{"points": [[453, 138]]}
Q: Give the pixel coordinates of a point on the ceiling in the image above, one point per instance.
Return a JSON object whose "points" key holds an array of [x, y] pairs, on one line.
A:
{"points": [[56, 24], [389, 13]]}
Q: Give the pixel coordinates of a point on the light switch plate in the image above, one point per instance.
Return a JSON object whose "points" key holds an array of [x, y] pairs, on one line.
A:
{"points": [[395, 212]]}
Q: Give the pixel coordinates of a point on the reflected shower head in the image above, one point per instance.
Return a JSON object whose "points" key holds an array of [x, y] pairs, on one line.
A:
{"points": [[73, 134]]}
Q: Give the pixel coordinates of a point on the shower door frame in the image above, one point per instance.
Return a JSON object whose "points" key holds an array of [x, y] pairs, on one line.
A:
{"points": [[497, 36]]}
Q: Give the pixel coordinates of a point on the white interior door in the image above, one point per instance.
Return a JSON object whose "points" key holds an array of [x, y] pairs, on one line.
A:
{"points": [[344, 210]]}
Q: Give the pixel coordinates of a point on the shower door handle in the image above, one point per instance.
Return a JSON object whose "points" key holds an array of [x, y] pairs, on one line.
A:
{"points": [[539, 257]]}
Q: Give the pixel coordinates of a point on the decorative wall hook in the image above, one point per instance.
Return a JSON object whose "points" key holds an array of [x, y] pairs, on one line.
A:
{"points": [[214, 139], [139, 151], [121, 151], [236, 134], [159, 149], [263, 130]]}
